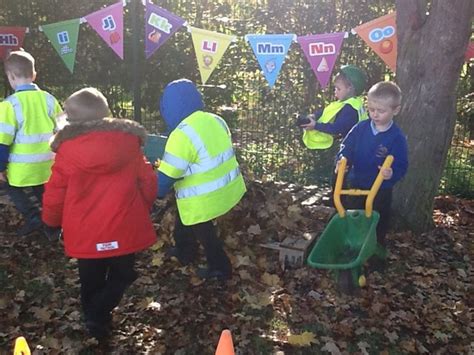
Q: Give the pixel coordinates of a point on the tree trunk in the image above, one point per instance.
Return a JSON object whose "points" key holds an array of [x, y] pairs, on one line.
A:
{"points": [[430, 55]]}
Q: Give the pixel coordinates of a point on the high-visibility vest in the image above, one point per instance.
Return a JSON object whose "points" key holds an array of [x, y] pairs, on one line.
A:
{"points": [[314, 139], [199, 154], [27, 123]]}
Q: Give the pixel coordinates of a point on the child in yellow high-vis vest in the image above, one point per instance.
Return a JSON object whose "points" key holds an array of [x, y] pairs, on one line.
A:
{"points": [[339, 116], [27, 123]]}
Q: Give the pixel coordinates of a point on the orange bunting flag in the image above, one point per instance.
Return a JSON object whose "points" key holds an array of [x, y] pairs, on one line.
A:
{"points": [[381, 35]]}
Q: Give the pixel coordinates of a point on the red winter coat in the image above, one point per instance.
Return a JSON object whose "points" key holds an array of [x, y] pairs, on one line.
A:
{"points": [[101, 189]]}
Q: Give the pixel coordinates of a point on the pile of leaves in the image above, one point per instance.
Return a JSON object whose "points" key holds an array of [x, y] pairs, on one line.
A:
{"points": [[419, 304]]}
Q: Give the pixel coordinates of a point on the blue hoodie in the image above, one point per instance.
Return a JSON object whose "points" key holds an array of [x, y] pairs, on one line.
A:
{"points": [[179, 100]]}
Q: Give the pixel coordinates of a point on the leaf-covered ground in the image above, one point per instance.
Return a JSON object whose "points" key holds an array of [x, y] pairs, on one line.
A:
{"points": [[419, 304]]}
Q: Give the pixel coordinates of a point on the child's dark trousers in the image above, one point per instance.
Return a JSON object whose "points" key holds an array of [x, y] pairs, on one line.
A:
{"points": [[103, 283], [24, 203], [187, 237]]}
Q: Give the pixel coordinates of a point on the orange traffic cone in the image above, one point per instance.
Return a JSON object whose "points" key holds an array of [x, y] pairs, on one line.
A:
{"points": [[21, 347], [225, 346]]}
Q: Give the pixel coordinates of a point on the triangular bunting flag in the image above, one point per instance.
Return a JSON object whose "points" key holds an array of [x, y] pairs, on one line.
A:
{"points": [[209, 47], [108, 23], [381, 35], [159, 26], [321, 52], [270, 51], [11, 39], [63, 36]]}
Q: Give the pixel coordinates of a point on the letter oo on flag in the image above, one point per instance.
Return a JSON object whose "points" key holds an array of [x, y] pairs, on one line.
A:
{"points": [[11, 39], [270, 51], [63, 36], [321, 51], [209, 47], [160, 25], [108, 23], [381, 35]]}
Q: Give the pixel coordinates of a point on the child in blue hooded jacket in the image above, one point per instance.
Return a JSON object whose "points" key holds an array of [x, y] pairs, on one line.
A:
{"points": [[199, 162]]}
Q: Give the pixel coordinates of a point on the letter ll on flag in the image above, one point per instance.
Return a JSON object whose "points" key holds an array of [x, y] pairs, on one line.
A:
{"points": [[209, 47]]}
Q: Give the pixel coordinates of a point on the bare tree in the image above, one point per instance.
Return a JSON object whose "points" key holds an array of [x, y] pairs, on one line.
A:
{"points": [[432, 39]]}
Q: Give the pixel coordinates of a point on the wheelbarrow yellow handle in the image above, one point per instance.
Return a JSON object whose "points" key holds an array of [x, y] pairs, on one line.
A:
{"points": [[338, 191]]}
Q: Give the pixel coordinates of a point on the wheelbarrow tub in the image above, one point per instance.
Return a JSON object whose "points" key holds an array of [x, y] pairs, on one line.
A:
{"points": [[347, 242]]}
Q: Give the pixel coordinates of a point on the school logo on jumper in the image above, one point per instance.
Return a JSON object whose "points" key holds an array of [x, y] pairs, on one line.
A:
{"points": [[209, 47], [321, 51], [63, 37], [11, 39], [270, 51], [381, 35], [108, 23], [160, 25]]}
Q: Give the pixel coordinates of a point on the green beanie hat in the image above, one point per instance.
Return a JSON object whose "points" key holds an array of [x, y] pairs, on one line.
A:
{"points": [[356, 76]]}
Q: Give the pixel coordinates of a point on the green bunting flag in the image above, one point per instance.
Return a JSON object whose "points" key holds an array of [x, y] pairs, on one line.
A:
{"points": [[63, 36]]}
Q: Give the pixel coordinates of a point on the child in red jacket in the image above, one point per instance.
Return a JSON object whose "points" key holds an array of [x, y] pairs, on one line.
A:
{"points": [[100, 192]]}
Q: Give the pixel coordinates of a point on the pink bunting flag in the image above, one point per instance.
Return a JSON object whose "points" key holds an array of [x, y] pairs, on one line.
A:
{"points": [[321, 51], [108, 23], [11, 39]]}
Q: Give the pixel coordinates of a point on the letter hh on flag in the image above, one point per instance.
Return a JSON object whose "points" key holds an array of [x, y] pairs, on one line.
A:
{"points": [[63, 36], [381, 35], [159, 26], [209, 47], [270, 51], [11, 39], [108, 23], [321, 51]]}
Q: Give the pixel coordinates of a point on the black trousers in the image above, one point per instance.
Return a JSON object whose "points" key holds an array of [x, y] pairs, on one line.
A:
{"points": [[186, 239], [103, 283], [24, 200]]}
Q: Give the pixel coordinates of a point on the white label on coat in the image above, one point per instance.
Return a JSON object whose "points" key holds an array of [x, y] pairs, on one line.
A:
{"points": [[107, 246]]}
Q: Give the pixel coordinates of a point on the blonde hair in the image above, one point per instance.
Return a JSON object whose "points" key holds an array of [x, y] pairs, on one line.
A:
{"points": [[20, 64], [87, 104], [386, 90]]}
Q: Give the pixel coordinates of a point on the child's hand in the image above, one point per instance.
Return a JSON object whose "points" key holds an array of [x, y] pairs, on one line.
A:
{"points": [[386, 173], [3, 178], [311, 123]]}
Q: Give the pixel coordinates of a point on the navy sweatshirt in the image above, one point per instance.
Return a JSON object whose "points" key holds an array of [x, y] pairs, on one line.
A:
{"points": [[345, 119], [366, 151]]}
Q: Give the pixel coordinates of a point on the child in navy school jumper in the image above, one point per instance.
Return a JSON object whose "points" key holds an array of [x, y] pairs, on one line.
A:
{"points": [[367, 145]]}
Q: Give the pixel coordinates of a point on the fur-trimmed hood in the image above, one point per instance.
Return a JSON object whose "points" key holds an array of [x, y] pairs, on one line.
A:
{"points": [[74, 130]]}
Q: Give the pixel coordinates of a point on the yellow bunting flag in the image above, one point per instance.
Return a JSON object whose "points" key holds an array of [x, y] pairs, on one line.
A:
{"points": [[209, 47], [381, 35]]}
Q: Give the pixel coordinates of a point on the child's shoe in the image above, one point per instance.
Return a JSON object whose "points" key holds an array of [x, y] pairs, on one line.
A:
{"points": [[29, 227], [97, 330]]}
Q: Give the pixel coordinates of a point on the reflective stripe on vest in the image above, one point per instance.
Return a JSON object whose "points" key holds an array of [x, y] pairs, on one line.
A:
{"points": [[7, 129], [208, 187], [314, 139], [30, 158]]}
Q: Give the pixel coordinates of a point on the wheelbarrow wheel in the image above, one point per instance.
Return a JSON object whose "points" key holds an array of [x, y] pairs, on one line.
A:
{"points": [[345, 283]]}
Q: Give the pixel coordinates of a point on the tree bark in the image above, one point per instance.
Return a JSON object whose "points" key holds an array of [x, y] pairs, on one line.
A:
{"points": [[431, 49]]}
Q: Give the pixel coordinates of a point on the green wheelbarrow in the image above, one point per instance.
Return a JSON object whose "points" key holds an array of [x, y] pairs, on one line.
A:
{"points": [[350, 239]]}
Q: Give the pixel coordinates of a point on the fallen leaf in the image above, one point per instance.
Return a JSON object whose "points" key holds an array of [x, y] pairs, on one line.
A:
{"points": [[304, 339]]}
